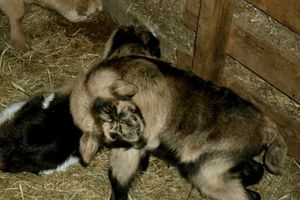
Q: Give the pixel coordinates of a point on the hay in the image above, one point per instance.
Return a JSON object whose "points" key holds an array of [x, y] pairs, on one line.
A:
{"points": [[60, 51]]}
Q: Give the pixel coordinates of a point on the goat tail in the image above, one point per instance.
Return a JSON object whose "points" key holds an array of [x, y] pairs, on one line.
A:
{"points": [[276, 149]]}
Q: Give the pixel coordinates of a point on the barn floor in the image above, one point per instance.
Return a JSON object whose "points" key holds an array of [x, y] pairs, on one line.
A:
{"points": [[59, 51]]}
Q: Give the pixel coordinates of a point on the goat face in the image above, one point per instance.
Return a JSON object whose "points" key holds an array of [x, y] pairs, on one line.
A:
{"points": [[75, 11], [124, 41], [123, 122]]}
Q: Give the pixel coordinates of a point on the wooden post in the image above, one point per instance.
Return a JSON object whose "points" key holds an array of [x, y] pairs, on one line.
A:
{"points": [[184, 60], [212, 30], [190, 14]]}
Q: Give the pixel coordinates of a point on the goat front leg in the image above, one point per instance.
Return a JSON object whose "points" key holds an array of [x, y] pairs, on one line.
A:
{"points": [[124, 164], [15, 11]]}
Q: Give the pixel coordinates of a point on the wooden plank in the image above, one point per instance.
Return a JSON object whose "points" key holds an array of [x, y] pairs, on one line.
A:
{"points": [[274, 65], [184, 60], [190, 20], [286, 12], [190, 14], [193, 6], [213, 28], [290, 128]]}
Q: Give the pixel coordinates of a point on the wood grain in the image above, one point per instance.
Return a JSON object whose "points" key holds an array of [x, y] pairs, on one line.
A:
{"points": [[211, 36], [286, 12], [184, 60], [190, 14], [280, 69]]}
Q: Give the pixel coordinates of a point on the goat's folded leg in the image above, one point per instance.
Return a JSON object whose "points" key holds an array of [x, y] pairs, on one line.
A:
{"points": [[250, 172]]}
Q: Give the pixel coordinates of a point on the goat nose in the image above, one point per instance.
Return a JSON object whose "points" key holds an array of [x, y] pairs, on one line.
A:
{"points": [[100, 8], [90, 17]]}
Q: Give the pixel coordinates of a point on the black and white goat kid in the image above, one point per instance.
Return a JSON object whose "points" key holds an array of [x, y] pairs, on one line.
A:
{"points": [[38, 135]]}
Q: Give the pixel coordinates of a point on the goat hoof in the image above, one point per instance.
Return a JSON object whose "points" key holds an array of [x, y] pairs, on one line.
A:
{"points": [[252, 173], [253, 195]]}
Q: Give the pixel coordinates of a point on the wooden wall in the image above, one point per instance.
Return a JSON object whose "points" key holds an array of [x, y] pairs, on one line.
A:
{"points": [[218, 35]]}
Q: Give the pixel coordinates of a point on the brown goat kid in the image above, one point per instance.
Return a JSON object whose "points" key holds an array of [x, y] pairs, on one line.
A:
{"points": [[138, 40], [72, 10], [205, 130]]}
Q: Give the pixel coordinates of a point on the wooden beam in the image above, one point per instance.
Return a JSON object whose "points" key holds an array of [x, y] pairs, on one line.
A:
{"points": [[286, 12], [213, 28], [190, 14], [290, 127], [280, 69], [184, 60]]}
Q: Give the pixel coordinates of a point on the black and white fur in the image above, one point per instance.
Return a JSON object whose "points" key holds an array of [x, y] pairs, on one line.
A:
{"points": [[38, 136]]}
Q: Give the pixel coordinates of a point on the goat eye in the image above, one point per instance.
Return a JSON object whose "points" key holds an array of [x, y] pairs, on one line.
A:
{"points": [[132, 110], [122, 115], [113, 135], [82, 10]]}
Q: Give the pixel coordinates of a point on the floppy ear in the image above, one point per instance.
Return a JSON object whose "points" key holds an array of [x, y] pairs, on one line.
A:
{"points": [[118, 38], [2, 165], [151, 42], [123, 90], [89, 145]]}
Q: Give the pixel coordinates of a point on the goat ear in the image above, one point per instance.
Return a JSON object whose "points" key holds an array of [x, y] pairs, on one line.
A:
{"points": [[151, 42], [89, 145], [118, 38], [2, 165], [123, 90]]}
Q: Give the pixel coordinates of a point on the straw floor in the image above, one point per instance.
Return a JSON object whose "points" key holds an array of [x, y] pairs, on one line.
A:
{"points": [[59, 51]]}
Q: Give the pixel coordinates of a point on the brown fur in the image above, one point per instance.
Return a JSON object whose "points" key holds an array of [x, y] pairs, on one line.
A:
{"points": [[72, 10], [188, 106], [193, 121], [112, 85], [204, 129], [123, 122]]}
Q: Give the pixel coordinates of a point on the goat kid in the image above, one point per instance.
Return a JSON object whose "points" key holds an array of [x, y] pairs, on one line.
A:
{"points": [[38, 135], [205, 130], [138, 40], [124, 126], [120, 121], [72, 10]]}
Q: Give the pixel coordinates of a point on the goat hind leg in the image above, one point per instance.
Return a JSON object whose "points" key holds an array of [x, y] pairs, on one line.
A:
{"points": [[214, 180], [249, 171]]}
